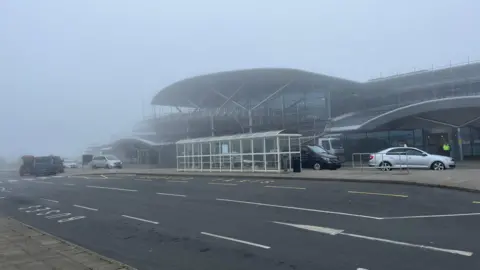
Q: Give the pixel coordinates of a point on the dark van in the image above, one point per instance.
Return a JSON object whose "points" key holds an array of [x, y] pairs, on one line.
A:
{"points": [[45, 165], [318, 158]]}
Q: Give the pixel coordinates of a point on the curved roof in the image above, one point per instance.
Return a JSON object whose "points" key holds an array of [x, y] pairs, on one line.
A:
{"points": [[266, 134], [372, 119], [138, 140], [200, 89]]}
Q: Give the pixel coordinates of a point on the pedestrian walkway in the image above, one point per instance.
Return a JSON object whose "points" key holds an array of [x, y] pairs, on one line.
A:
{"points": [[23, 248]]}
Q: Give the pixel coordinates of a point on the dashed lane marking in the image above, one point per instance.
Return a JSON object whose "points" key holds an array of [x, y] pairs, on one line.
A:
{"points": [[49, 200], [235, 240], [378, 194], [300, 209], [476, 201], [140, 219], [111, 188], [84, 207], [42, 182], [285, 187], [171, 194], [68, 184], [2, 197], [145, 180], [103, 176], [12, 181], [177, 181], [434, 216], [222, 184]]}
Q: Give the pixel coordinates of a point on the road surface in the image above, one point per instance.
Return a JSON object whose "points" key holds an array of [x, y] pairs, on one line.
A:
{"points": [[221, 223]]}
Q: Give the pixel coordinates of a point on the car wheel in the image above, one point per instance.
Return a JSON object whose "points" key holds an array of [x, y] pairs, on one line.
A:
{"points": [[438, 166], [317, 166], [107, 166], [385, 166]]}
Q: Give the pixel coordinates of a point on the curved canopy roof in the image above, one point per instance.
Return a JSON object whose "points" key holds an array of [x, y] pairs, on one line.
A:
{"points": [[201, 89], [266, 134], [138, 140], [369, 121]]}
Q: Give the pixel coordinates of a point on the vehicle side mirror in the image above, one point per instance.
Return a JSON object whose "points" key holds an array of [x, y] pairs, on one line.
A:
{"points": [[424, 155]]}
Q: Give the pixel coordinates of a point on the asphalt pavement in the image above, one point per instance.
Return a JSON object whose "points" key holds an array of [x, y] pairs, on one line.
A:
{"points": [[181, 222]]}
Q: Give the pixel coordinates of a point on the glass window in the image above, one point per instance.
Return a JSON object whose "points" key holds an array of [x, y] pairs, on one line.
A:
{"points": [[206, 148], [283, 144], [225, 147], [336, 144], [401, 137], [396, 151], [418, 134], [258, 145], [413, 152], [272, 161], [236, 146], [247, 146], [196, 148], [326, 145], [271, 145], [180, 150]]}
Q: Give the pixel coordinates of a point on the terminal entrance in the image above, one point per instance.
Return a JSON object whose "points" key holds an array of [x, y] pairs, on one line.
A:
{"points": [[435, 141]]}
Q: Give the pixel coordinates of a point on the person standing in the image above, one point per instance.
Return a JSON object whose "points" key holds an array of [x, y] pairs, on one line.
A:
{"points": [[446, 149]]}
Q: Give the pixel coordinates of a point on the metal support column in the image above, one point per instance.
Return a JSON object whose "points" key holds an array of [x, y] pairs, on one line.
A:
{"points": [[212, 125], [250, 121], [460, 144]]}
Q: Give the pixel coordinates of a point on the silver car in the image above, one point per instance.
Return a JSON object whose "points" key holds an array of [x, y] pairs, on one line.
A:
{"points": [[409, 157], [106, 161]]}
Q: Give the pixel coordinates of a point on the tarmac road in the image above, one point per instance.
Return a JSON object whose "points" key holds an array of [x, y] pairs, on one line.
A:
{"points": [[208, 223]]}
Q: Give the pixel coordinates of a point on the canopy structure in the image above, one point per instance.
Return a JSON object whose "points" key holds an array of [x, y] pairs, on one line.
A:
{"points": [[270, 151]]}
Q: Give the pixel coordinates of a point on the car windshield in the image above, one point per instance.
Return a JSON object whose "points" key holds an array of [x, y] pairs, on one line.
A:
{"points": [[111, 157], [317, 149]]}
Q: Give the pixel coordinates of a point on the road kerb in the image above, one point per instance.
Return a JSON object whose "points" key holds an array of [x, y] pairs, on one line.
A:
{"points": [[283, 177]]}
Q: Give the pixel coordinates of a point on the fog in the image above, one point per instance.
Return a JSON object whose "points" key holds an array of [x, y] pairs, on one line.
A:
{"points": [[75, 73]]}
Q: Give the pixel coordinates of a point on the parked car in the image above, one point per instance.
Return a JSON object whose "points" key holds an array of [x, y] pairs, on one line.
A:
{"points": [[106, 161], [409, 157], [70, 164], [318, 158]]}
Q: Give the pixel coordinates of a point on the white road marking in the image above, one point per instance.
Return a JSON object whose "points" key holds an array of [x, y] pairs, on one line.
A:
{"points": [[223, 184], [68, 184], [476, 201], [58, 215], [58, 176], [2, 197], [49, 200], [378, 194], [70, 219], [42, 178], [285, 187], [12, 181], [171, 194], [84, 207], [177, 181], [42, 182], [324, 230], [103, 176], [331, 231], [140, 219], [362, 269], [28, 179], [146, 180], [111, 188], [301, 209], [236, 240], [434, 216]]}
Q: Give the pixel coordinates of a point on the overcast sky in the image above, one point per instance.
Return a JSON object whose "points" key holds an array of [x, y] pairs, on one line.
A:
{"points": [[73, 73]]}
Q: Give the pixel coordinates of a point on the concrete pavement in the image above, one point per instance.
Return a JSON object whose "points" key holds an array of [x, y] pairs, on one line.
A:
{"points": [[463, 179], [23, 247], [185, 222]]}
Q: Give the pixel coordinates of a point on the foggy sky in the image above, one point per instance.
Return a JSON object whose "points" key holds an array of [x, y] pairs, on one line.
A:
{"points": [[73, 73]]}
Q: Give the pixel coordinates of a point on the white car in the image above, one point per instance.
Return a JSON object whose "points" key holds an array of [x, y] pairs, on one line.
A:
{"points": [[409, 157], [106, 161], [70, 164]]}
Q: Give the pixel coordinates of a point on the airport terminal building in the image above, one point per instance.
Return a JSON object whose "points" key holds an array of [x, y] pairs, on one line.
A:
{"points": [[422, 109]]}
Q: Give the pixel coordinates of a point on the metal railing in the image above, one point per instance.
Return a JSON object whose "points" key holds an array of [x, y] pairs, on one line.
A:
{"points": [[397, 162]]}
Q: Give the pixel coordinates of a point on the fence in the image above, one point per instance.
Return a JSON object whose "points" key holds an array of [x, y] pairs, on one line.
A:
{"points": [[384, 162]]}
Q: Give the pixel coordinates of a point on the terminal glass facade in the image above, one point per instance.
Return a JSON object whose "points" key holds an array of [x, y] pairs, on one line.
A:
{"points": [[254, 152]]}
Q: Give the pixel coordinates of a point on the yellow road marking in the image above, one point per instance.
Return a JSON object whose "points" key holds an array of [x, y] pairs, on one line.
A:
{"points": [[379, 194], [476, 201]]}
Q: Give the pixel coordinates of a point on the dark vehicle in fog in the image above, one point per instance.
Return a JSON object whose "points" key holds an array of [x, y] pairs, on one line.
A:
{"points": [[42, 165], [317, 158]]}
